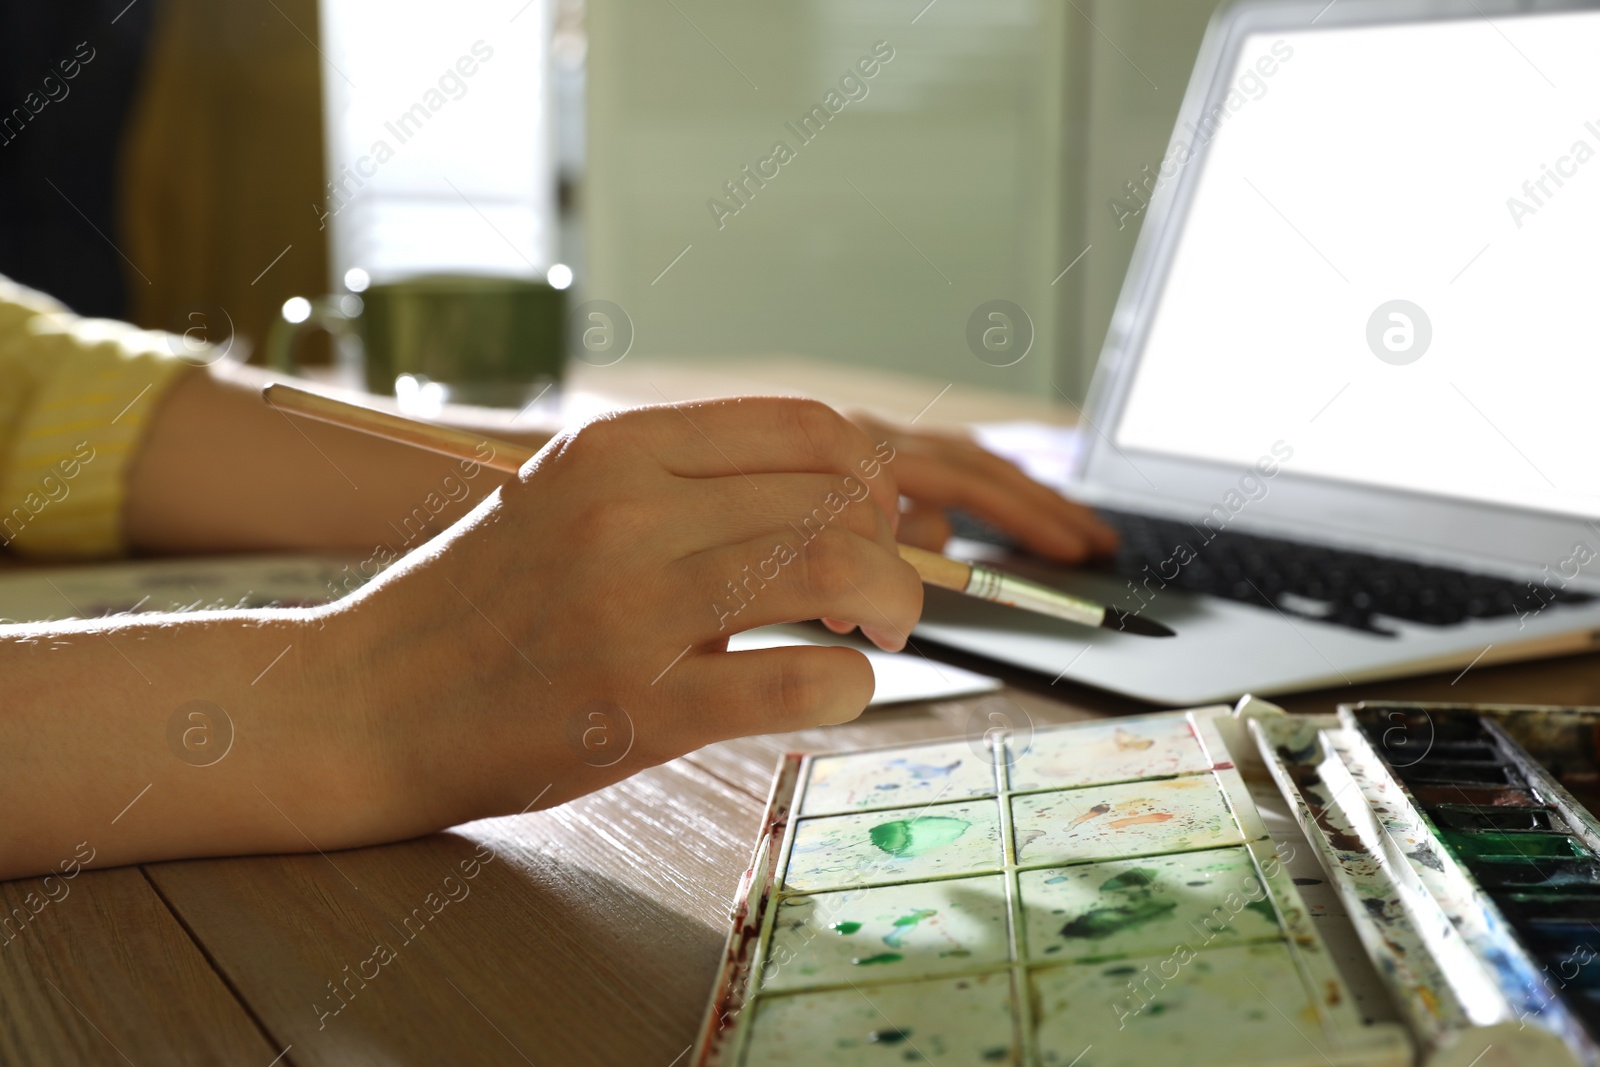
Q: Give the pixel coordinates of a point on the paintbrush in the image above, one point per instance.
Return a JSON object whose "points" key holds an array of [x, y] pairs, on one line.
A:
{"points": [[986, 583], [971, 579]]}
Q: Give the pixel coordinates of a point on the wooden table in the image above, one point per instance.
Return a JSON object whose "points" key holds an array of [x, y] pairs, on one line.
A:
{"points": [[591, 937]]}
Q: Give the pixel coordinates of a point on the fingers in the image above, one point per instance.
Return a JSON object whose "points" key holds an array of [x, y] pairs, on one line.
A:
{"points": [[722, 511], [773, 690], [925, 527], [965, 476], [836, 575], [751, 436]]}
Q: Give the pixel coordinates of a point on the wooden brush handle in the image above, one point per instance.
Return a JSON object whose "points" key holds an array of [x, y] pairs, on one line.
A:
{"points": [[938, 570], [459, 444]]}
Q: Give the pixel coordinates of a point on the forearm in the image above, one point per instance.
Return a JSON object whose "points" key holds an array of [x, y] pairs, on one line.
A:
{"points": [[540, 649], [220, 470], [185, 736]]}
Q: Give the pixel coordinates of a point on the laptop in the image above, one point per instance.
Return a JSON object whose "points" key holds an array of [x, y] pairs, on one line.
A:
{"points": [[1345, 416]]}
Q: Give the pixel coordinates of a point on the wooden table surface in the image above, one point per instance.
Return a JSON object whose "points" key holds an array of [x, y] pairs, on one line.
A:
{"points": [[591, 935]]}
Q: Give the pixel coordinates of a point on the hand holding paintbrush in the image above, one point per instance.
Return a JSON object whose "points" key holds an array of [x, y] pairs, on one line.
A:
{"points": [[972, 579], [568, 631]]}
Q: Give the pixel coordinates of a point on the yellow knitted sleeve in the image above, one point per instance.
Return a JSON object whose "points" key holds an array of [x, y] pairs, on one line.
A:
{"points": [[75, 397]]}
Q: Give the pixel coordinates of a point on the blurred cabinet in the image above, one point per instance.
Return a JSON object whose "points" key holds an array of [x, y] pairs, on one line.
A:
{"points": [[974, 165]]}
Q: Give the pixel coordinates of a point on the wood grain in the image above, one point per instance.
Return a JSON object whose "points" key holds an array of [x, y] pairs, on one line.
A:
{"points": [[591, 936], [104, 974]]}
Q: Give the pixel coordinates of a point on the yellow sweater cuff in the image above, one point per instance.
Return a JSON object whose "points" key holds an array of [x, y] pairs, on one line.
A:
{"points": [[92, 387]]}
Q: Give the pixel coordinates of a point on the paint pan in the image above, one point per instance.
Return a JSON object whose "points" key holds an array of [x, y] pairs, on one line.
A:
{"points": [[1477, 795], [1577, 908], [1461, 772], [1470, 817], [1513, 846], [1471, 871], [1101, 893], [1522, 874]]}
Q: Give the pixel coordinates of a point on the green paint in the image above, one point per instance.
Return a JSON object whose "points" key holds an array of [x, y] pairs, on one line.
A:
{"points": [[1525, 845], [1097, 923], [882, 957], [1136, 905], [904, 925], [1136, 878], [1263, 908], [845, 927], [913, 837]]}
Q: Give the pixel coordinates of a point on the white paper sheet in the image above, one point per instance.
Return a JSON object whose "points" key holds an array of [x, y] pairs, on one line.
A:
{"points": [[898, 676]]}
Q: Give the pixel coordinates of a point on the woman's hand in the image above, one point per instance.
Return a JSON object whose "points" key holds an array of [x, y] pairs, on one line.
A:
{"points": [[569, 631], [939, 470], [572, 630]]}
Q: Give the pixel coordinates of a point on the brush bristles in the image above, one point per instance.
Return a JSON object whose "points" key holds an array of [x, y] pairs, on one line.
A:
{"points": [[1129, 623]]}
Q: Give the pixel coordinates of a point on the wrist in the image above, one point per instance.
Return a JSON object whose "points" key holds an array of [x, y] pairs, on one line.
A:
{"points": [[407, 671], [331, 768]]}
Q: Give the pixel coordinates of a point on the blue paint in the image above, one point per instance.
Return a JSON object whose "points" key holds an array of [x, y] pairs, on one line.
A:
{"points": [[923, 772]]}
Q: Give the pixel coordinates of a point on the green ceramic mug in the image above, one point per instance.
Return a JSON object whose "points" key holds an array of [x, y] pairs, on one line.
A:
{"points": [[432, 339]]}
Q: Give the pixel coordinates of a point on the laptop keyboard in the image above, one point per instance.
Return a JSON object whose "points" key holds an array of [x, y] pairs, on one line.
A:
{"points": [[1328, 584], [1309, 581]]}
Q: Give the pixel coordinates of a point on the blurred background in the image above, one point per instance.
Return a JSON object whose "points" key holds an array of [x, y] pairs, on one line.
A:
{"points": [[211, 159]]}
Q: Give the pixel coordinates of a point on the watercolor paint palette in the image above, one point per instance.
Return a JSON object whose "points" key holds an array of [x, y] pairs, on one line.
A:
{"points": [[1093, 895], [1462, 840]]}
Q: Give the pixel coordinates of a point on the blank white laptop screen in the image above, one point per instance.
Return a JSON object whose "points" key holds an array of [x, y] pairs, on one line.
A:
{"points": [[1391, 262]]}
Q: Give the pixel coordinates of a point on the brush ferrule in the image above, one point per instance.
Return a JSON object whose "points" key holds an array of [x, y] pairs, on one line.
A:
{"points": [[1017, 592], [984, 583]]}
